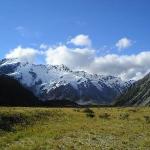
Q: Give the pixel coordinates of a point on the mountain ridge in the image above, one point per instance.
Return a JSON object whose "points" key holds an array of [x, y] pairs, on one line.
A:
{"points": [[138, 94]]}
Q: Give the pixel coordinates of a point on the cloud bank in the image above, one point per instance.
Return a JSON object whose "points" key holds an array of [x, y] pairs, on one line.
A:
{"points": [[85, 58], [24, 54]]}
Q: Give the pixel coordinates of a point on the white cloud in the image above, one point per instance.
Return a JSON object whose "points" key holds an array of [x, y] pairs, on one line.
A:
{"points": [[125, 66], [43, 46], [27, 54], [76, 58], [85, 58], [81, 40], [123, 43]]}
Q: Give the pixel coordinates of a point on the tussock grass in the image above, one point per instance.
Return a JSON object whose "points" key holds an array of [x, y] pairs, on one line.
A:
{"points": [[68, 128]]}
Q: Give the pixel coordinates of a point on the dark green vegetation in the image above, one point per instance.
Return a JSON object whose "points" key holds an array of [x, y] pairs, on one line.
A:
{"points": [[74, 128], [137, 95]]}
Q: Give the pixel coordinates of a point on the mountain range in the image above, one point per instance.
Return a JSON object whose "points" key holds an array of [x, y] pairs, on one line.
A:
{"points": [[58, 82]]}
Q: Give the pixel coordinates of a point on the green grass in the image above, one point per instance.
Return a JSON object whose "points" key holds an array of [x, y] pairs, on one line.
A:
{"points": [[70, 129]]}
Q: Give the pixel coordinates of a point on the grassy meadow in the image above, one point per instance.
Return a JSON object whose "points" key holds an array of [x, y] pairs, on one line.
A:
{"points": [[74, 128]]}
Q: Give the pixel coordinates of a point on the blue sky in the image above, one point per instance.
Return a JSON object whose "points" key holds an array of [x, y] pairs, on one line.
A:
{"points": [[30, 23]]}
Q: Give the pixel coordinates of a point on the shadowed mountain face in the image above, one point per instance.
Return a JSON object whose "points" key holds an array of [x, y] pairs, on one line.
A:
{"points": [[12, 93], [58, 82], [136, 95]]}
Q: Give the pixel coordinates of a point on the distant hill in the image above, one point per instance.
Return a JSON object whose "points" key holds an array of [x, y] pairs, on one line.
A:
{"points": [[12, 93], [138, 94]]}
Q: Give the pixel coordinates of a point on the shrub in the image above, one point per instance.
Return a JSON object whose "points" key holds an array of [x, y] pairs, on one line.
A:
{"points": [[124, 116], [104, 116], [89, 112], [5, 126], [77, 109], [147, 119], [91, 115], [8, 121]]}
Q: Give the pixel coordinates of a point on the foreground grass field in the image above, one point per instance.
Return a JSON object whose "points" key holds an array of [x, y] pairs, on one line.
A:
{"points": [[70, 129]]}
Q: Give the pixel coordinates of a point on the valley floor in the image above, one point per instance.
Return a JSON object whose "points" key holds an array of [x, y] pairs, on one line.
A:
{"points": [[74, 128]]}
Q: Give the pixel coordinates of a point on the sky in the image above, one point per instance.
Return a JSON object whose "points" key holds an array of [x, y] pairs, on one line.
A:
{"points": [[98, 36]]}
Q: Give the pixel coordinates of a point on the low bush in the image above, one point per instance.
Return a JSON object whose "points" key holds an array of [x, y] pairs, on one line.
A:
{"points": [[91, 115], [89, 112], [124, 116], [76, 110], [147, 119], [104, 116], [8, 121]]}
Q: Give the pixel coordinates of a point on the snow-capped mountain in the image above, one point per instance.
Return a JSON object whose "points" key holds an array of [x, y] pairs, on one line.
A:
{"points": [[57, 82]]}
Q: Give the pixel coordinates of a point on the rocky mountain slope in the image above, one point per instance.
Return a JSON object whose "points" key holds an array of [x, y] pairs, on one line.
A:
{"points": [[137, 95], [51, 82], [12, 93]]}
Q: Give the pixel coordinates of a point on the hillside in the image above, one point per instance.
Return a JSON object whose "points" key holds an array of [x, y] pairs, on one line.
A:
{"points": [[137, 95], [12, 93]]}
